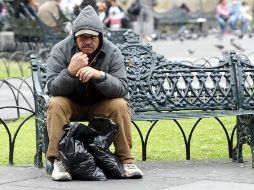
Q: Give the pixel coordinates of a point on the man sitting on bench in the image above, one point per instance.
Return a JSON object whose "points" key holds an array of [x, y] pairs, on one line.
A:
{"points": [[86, 77]]}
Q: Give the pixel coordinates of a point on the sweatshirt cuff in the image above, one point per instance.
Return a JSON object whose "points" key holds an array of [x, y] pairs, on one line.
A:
{"points": [[67, 73]]}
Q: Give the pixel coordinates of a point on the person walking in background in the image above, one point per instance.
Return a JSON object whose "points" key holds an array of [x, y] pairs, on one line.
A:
{"points": [[3, 15], [49, 13], [19, 12], [102, 9], [114, 16], [237, 18], [134, 10], [246, 18], [68, 6], [83, 4], [145, 20], [113, 21], [222, 15], [33, 6], [235, 14], [115, 8], [86, 77]]}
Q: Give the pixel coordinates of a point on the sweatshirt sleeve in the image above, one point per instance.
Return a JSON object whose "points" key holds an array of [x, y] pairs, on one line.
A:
{"points": [[59, 81], [115, 84]]}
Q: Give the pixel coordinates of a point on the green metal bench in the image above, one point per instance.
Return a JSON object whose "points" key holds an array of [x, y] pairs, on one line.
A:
{"points": [[161, 89], [183, 23]]}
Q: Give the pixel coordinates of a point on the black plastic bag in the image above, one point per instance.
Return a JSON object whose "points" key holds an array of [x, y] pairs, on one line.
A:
{"points": [[104, 131], [84, 150], [75, 155], [108, 162]]}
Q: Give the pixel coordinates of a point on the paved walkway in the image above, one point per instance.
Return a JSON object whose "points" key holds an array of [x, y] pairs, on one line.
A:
{"points": [[158, 175], [204, 47]]}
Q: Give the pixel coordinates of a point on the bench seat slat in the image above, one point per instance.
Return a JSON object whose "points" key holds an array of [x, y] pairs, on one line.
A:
{"points": [[150, 116]]}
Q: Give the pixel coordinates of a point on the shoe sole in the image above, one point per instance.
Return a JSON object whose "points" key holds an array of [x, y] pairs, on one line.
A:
{"points": [[61, 179], [134, 176]]}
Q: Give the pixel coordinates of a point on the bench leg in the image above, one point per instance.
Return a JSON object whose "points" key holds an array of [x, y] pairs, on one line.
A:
{"points": [[39, 143], [237, 151], [251, 128], [48, 165], [38, 156], [244, 134]]}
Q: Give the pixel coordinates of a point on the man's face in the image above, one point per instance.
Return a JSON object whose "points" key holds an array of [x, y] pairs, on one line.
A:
{"points": [[87, 43]]}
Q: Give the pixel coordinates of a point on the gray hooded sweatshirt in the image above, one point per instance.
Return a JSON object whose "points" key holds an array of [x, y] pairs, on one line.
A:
{"points": [[108, 59]]}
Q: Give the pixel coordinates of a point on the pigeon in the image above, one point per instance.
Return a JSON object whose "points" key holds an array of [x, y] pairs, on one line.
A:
{"points": [[181, 39], [236, 45], [219, 46], [191, 51], [240, 36], [225, 52]]}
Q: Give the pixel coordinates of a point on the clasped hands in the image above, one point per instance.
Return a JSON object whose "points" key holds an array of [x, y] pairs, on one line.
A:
{"points": [[79, 67]]}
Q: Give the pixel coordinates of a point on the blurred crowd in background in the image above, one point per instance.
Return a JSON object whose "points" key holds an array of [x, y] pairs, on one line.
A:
{"points": [[235, 15], [111, 13], [231, 15]]}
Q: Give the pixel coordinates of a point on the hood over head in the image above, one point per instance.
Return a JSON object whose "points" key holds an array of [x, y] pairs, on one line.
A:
{"points": [[87, 20]]}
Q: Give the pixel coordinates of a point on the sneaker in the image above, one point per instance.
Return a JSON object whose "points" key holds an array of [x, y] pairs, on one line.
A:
{"points": [[59, 172], [132, 171]]}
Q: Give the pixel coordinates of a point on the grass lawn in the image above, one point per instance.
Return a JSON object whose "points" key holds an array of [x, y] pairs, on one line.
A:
{"points": [[25, 146], [165, 142], [208, 141], [15, 69]]}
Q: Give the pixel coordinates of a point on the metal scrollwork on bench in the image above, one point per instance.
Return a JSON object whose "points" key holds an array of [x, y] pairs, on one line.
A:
{"points": [[245, 123], [159, 87], [246, 72], [158, 84]]}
